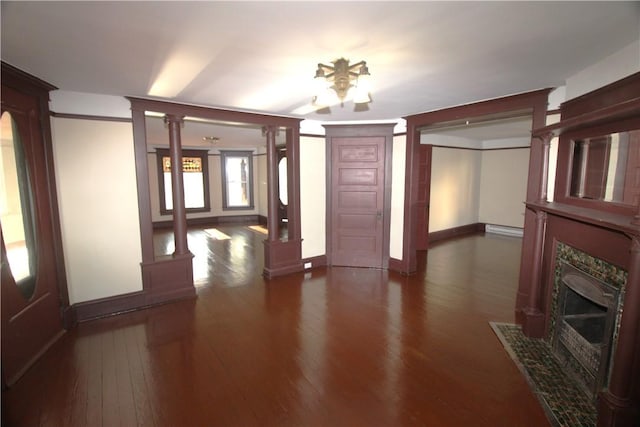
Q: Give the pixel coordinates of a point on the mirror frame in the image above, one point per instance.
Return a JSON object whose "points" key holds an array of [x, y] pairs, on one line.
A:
{"points": [[566, 143]]}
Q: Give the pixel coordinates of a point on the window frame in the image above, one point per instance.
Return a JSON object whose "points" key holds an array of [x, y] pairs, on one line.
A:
{"points": [[224, 154], [204, 156]]}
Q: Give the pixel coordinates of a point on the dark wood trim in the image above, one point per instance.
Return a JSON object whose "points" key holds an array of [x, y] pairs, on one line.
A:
{"points": [[450, 233], [275, 123], [88, 117], [509, 106], [565, 160], [482, 149], [212, 113], [223, 178], [534, 103], [282, 257], [143, 187], [109, 306], [29, 84], [395, 265], [553, 112], [617, 93], [214, 220], [316, 261], [118, 304]]}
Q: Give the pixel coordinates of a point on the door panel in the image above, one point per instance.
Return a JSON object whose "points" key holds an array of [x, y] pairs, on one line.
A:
{"points": [[358, 172], [31, 321]]}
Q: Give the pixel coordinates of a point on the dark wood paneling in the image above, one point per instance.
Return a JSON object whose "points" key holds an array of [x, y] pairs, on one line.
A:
{"points": [[31, 323]]}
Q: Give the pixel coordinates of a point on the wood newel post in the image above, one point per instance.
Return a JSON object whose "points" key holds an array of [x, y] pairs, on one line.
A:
{"points": [[272, 180], [177, 185]]}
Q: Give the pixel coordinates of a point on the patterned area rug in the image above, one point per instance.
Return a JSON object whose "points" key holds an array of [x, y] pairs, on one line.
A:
{"points": [[565, 404]]}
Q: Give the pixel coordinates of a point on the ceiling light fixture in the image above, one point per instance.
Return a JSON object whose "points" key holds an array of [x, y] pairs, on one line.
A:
{"points": [[211, 139], [333, 84]]}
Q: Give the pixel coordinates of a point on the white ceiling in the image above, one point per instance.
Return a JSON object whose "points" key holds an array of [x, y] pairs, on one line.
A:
{"points": [[262, 56]]}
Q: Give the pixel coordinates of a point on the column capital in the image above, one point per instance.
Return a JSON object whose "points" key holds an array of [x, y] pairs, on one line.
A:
{"points": [[270, 129], [173, 118]]}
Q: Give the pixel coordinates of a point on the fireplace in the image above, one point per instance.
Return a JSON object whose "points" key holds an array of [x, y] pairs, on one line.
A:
{"points": [[585, 319], [580, 271]]}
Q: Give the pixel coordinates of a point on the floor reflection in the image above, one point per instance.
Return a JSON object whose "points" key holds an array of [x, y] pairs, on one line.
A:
{"points": [[231, 255], [330, 347]]}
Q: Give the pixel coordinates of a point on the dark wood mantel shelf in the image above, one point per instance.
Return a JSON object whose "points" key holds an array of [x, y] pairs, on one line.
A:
{"points": [[611, 221]]}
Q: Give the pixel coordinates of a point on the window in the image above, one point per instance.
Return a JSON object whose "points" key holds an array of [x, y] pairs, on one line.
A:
{"points": [[195, 174], [237, 179]]}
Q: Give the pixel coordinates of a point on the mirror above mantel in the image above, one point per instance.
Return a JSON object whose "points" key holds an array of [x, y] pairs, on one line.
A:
{"points": [[607, 168]]}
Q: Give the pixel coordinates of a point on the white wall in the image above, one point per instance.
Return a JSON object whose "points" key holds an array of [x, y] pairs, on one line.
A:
{"points": [[455, 188], [614, 67], [503, 187], [396, 237], [97, 195], [313, 199]]}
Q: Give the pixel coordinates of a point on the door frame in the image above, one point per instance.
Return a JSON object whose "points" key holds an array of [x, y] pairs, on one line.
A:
{"points": [[350, 131], [534, 103]]}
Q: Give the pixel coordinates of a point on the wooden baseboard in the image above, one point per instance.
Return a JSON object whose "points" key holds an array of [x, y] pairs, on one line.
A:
{"points": [[313, 262], [108, 306], [118, 304], [462, 230]]}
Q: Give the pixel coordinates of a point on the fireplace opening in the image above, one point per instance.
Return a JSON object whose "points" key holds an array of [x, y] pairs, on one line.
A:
{"points": [[585, 321]]}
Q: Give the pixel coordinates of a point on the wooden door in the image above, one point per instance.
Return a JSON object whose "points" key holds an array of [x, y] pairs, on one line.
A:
{"points": [[424, 196], [357, 201], [31, 307]]}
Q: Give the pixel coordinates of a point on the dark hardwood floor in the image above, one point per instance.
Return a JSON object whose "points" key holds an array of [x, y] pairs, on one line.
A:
{"points": [[331, 347]]}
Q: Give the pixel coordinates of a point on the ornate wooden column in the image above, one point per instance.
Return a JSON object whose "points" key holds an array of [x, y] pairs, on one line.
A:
{"points": [[282, 256], [528, 304], [272, 181], [177, 185]]}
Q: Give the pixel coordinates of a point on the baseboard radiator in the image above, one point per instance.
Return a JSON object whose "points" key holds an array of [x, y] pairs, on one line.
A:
{"points": [[504, 230]]}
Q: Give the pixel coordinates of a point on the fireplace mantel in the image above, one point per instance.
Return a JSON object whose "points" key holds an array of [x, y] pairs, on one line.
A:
{"points": [[602, 230], [611, 221]]}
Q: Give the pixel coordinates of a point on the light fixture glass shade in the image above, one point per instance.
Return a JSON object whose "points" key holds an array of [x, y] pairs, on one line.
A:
{"points": [[319, 90], [361, 91]]}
